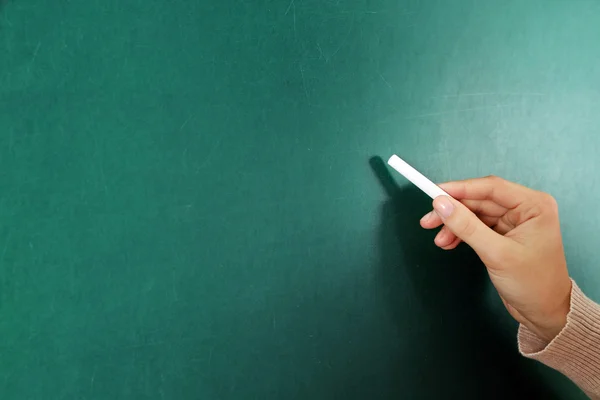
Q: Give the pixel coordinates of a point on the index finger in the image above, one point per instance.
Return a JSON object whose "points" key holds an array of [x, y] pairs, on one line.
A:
{"points": [[505, 193]]}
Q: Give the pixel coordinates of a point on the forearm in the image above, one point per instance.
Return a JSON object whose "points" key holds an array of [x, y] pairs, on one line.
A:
{"points": [[575, 351]]}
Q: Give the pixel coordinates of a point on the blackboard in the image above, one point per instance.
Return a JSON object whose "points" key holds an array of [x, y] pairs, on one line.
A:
{"points": [[193, 202]]}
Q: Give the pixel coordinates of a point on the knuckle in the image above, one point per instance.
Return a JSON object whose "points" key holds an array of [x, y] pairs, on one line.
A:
{"points": [[494, 179], [495, 183], [530, 211], [548, 203]]}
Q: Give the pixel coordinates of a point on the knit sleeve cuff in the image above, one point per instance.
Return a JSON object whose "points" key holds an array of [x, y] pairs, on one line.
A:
{"points": [[575, 351]]}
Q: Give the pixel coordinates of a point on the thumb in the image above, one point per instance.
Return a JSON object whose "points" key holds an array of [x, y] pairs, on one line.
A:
{"points": [[465, 225]]}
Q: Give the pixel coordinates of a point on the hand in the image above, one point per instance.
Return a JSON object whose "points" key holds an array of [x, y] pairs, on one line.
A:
{"points": [[516, 233]]}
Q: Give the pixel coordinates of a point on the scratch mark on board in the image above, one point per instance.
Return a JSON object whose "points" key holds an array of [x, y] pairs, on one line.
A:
{"points": [[103, 177], [292, 6], [479, 94], [433, 114], [321, 55], [93, 379], [174, 287], [209, 155], [359, 12], [343, 43], [304, 83], [35, 53], [142, 345], [384, 80], [289, 7], [185, 122], [5, 247], [5, 15]]}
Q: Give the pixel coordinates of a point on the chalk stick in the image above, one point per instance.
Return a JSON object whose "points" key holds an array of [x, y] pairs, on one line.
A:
{"points": [[418, 179]]}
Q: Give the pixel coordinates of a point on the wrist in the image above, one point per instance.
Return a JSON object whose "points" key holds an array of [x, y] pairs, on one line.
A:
{"points": [[552, 328], [554, 321]]}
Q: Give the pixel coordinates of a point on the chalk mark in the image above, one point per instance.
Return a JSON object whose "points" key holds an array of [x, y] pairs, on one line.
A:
{"points": [[209, 155], [385, 80], [292, 6], [174, 287], [103, 177], [359, 12], [343, 41], [93, 379], [35, 53], [289, 7], [185, 122], [480, 94], [304, 83], [5, 15], [461, 110], [321, 54], [8, 237]]}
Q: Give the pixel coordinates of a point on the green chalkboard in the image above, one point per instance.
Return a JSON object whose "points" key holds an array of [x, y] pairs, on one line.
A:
{"points": [[193, 203]]}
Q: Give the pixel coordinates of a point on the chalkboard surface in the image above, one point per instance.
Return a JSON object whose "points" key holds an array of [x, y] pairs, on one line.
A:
{"points": [[193, 202]]}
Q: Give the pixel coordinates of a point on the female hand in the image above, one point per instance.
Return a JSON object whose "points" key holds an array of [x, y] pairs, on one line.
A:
{"points": [[516, 233]]}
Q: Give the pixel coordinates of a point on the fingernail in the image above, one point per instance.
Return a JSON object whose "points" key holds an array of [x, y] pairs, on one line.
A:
{"points": [[427, 216], [443, 206]]}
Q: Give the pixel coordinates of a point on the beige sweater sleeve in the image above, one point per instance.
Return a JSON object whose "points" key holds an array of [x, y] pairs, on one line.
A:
{"points": [[576, 350]]}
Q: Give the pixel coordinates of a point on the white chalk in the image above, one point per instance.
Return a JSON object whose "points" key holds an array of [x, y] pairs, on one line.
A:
{"points": [[430, 188]]}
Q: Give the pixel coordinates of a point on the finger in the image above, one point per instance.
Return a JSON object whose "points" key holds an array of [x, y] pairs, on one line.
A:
{"points": [[500, 225], [503, 227], [465, 225], [431, 220], [453, 245], [540, 204], [506, 194], [485, 207], [444, 238], [489, 221]]}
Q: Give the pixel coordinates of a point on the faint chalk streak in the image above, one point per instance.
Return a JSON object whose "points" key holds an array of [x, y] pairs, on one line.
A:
{"points": [[142, 345], [321, 55], [289, 7], [173, 287], [209, 155], [5, 247], [461, 110], [103, 177], [385, 80], [293, 7], [93, 379], [360, 12], [185, 122], [5, 15], [448, 96], [304, 83], [35, 53], [343, 41]]}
